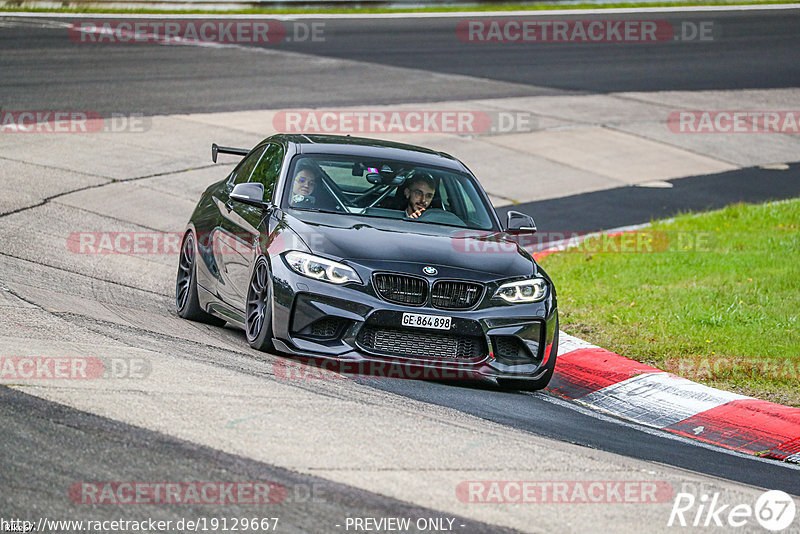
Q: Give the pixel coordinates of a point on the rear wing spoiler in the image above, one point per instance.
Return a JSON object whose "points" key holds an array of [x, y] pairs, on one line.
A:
{"points": [[216, 149]]}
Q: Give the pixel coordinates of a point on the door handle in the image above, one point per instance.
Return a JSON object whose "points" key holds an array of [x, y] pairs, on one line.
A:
{"points": [[229, 204]]}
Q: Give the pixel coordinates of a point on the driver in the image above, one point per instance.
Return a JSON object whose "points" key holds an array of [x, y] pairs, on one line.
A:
{"points": [[305, 182], [419, 194]]}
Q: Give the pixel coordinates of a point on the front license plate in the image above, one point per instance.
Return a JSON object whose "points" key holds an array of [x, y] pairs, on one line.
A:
{"points": [[437, 322]]}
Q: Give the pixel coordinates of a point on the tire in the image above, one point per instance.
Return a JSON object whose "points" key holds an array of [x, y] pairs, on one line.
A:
{"points": [[514, 384], [187, 304], [258, 309]]}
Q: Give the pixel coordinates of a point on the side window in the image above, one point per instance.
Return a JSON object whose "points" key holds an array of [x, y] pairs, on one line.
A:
{"points": [[443, 183], [242, 171], [471, 200], [268, 170], [467, 201]]}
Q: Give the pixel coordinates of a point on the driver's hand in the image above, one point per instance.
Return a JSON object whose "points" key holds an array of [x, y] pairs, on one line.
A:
{"points": [[416, 214]]}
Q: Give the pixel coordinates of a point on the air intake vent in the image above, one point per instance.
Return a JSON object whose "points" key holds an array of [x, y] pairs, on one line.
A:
{"points": [[327, 328], [454, 295], [411, 344], [511, 350], [401, 289]]}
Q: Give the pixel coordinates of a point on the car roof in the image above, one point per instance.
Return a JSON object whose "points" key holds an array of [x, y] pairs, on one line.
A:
{"points": [[366, 147]]}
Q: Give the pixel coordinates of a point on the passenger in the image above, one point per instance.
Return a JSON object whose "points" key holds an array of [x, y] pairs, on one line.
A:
{"points": [[305, 182], [419, 194]]}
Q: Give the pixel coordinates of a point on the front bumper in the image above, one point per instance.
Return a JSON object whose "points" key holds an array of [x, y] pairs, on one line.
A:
{"points": [[363, 333]]}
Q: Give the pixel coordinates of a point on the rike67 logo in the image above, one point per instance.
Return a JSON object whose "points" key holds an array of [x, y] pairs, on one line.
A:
{"points": [[774, 510]]}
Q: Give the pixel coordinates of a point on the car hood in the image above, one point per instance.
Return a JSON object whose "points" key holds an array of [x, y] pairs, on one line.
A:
{"points": [[405, 246]]}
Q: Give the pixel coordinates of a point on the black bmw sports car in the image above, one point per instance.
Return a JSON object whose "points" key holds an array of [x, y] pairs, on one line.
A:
{"points": [[369, 253]]}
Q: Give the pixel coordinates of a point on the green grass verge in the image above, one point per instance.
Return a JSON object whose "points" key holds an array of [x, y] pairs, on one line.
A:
{"points": [[713, 297], [432, 9]]}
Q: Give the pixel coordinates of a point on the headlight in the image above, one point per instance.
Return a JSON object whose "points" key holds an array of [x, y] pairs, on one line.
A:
{"points": [[532, 290], [320, 268]]}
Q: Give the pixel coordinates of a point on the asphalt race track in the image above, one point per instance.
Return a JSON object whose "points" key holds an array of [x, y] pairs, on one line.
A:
{"points": [[108, 449], [210, 408], [626, 206], [756, 50]]}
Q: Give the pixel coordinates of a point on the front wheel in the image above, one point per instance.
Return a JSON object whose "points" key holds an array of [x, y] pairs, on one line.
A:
{"points": [[515, 384], [187, 303], [258, 323]]}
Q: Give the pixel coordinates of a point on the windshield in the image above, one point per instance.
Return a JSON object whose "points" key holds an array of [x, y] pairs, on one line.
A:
{"points": [[387, 189]]}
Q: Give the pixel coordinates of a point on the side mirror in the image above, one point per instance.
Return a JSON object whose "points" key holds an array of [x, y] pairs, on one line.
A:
{"points": [[251, 194], [519, 222]]}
